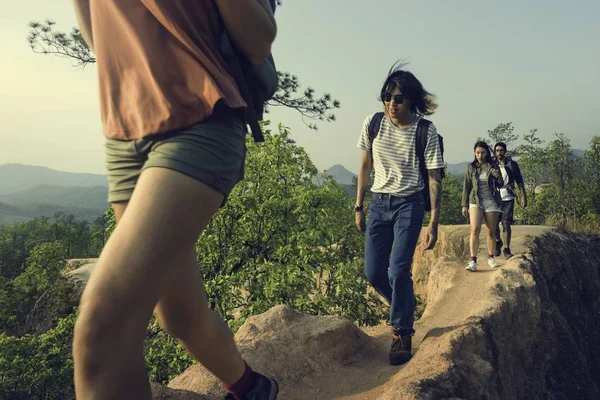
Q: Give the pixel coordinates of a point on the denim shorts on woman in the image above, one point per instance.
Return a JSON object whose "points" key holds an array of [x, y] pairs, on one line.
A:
{"points": [[487, 205], [212, 151]]}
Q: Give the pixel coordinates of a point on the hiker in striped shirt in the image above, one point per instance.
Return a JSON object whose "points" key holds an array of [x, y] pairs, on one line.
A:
{"points": [[396, 212]]}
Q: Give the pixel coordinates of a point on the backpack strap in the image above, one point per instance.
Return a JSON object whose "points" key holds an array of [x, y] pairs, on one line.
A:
{"points": [[374, 126], [230, 55], [421, 141], [420, 146]]}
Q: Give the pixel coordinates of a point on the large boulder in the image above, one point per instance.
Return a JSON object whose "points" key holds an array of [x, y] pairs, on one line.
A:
{"points": [[286, 345]]}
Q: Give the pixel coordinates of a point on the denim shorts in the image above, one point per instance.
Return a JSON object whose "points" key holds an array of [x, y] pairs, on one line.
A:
{"points": [[212, 151], [487, 205]]}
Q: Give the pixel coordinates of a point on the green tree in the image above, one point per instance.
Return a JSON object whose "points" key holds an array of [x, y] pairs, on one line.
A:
{"points": [[451, 210], [532, 162], [503, 133], [569, 195], [38, 367], [79, 238], [164, 356], [560, 156], [592, 169], [20, 297], [282, 239]]}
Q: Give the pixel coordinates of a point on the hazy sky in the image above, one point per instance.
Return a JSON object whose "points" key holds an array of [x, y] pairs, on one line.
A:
{"points": [[535, 63]]}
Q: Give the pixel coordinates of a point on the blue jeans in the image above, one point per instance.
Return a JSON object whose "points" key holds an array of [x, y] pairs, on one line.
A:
{"points": [[392, 234]]}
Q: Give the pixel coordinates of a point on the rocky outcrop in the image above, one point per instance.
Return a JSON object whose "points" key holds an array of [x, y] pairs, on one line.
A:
{"points": [[534, 335], [288, 346]]}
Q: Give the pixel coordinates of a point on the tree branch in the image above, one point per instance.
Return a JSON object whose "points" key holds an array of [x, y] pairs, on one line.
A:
{"points": [[43, 39]]}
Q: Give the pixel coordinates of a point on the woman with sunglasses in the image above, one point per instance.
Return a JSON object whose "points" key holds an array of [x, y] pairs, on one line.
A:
{"points": [[482, 201], [397, 208]]}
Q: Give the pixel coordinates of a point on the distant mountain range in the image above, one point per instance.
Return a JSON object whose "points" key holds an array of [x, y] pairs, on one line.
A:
{"points": [[29, 191], [18, 177]]}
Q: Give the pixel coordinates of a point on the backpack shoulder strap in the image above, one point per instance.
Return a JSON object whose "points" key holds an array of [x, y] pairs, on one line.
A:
{"points": [[421, 140], [374, 126]]}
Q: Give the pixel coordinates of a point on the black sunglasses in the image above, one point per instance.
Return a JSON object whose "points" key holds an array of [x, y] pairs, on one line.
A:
{"points": [[398, 99]]}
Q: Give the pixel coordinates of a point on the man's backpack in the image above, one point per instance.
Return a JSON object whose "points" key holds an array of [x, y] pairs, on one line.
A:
{"points": [[257, 83], [420, 144]]}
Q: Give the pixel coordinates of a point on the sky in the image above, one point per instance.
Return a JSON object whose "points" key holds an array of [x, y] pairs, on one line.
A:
{"points": [[533, 63]]}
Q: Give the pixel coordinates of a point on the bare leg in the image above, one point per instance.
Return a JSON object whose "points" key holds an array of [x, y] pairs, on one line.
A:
{"points": [[475, 218], [491, 222], [148, 252], [183, 311]]}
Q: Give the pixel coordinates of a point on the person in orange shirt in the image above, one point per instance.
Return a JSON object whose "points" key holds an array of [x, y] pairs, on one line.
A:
{"points": [[174, 124]]}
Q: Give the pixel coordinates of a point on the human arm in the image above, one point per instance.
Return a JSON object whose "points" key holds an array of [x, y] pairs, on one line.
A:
{"points": [[520, 183], [467, 187], [364, 173], [435, 194]]}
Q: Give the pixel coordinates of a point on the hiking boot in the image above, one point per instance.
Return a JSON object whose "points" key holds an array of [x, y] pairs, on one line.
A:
{"points": [[400, 351], [264, 389], [507, 253], [498, 248], [493, 263], [472, 266]]}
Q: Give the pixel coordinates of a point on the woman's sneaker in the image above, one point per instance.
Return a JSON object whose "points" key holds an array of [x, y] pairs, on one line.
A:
{"points": [[493, 263], [471, 266]]}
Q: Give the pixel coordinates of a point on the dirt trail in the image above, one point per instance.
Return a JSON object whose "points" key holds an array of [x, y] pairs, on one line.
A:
{"points": [[467, 295]]}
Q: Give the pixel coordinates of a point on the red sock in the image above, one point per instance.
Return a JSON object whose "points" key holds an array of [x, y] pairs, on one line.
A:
{"points": [[490, 256], [243, 385], [474, 258]]}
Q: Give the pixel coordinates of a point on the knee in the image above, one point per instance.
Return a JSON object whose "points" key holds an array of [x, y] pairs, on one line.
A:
{"points": [[100, 325], [400, 273], [475, 230]]}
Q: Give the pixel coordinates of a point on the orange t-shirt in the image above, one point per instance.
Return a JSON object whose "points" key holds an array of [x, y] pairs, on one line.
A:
{"points": [[159, 66]]}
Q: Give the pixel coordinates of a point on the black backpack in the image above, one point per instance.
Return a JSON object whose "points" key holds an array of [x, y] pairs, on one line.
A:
{"points": [[257, 83], [420, 144]]}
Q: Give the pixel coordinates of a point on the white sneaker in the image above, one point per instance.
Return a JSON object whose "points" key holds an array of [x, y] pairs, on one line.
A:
{"points": [[472, 266], [493, 263]]}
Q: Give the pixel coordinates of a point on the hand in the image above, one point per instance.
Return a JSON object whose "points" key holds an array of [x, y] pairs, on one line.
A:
{"points": [[495, 170], [360, 221], [431, 233], [465, 211], [523, 201]]}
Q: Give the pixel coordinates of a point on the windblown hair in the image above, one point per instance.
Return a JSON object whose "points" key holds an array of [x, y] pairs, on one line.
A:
{"points": [[422, 102]]}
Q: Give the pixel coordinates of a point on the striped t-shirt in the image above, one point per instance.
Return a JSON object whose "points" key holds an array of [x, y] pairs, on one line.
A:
{"points": [[394, 157]]}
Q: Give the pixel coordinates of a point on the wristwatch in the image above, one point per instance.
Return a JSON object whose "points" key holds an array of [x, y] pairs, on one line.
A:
{"points": [[358, 208]]}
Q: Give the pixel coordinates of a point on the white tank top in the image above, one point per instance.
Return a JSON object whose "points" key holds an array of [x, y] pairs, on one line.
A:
{"points": [[483, 188]]}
